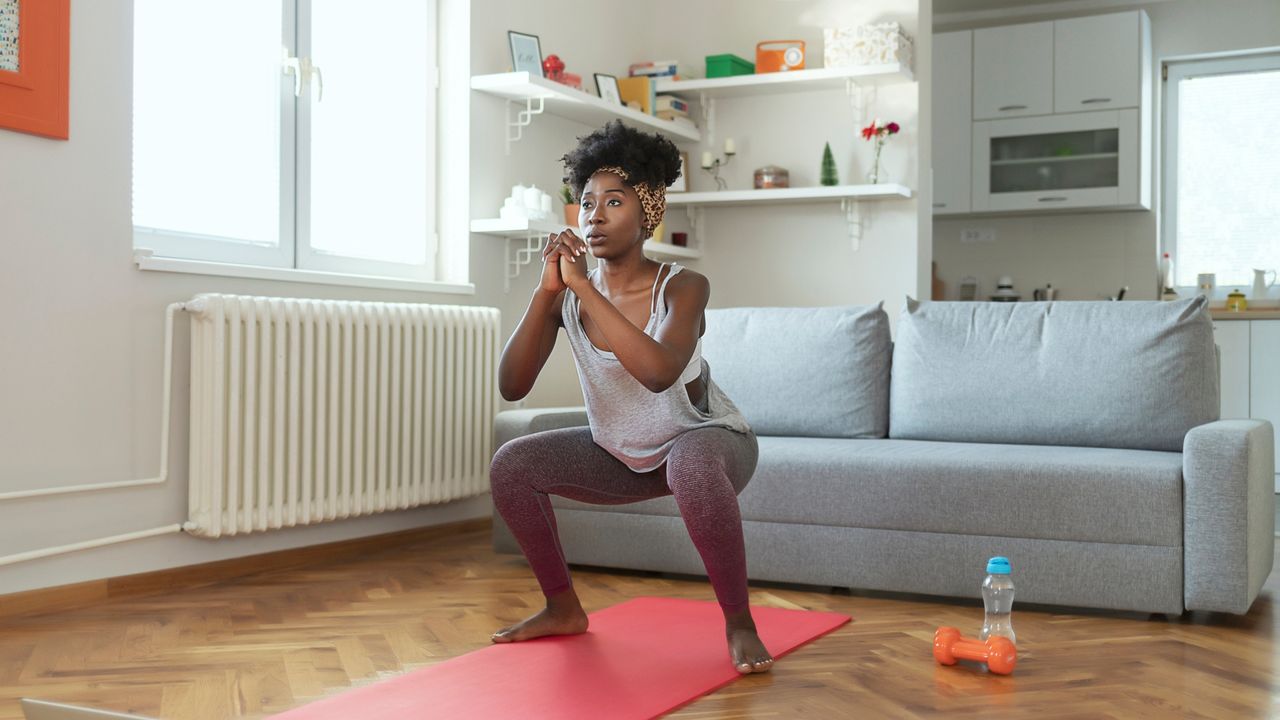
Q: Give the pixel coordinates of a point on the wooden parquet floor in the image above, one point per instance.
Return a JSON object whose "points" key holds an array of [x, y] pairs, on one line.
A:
{"points": [[262, 644]]}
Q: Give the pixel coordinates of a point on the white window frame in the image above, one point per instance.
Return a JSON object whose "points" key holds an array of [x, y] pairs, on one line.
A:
{"points": [[294, 258], [1175, 70]]}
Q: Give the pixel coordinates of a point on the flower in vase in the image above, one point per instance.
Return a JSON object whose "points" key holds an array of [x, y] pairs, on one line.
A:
{"points": [[879, 131]]}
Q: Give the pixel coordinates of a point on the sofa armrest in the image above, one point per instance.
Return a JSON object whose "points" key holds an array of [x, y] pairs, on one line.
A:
{"points": [[511, 424], [1228, 513]]}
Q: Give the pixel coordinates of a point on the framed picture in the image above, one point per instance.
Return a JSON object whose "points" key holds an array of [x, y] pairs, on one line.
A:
{"points": [[607, 89], [35, 59], [526, 53], [681, 184]]}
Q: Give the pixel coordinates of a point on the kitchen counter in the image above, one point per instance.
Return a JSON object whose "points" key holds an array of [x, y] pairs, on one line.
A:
{"points": [[1265, 314]]}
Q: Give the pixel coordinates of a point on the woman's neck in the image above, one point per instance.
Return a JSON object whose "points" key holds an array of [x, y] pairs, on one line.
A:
{"points": [[628, 273]]}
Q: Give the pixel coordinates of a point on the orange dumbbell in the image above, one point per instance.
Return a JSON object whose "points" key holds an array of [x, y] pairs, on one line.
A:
{"points": [[997, 651]]}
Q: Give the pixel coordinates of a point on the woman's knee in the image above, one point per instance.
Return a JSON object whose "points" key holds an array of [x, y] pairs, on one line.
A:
{"points": [[507, 461], [710, 455], [532, 458]]}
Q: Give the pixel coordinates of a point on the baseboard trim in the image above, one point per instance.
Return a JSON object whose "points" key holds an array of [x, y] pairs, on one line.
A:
{"points": [[78, 595]]}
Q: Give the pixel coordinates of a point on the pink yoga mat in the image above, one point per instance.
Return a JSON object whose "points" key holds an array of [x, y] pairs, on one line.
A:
{"points": [[639, 659]]}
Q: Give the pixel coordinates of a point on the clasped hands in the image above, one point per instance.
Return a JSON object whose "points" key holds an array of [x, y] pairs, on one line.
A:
{"points": [[564, 261]]}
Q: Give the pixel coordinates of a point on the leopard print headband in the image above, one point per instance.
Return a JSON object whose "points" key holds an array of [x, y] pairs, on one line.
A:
{"points": [[653, 201]]}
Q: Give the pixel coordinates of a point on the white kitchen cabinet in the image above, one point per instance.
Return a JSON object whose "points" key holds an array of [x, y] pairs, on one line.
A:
{"points": [[1250, 373], [1013, 71], [1074, 160], [952, 118], [1232, 338], [1098, 61], [1264, 377], [1061, 116]]}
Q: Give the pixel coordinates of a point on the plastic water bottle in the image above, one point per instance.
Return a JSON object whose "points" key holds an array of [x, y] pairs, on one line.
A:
{"points": [[997, 596]]}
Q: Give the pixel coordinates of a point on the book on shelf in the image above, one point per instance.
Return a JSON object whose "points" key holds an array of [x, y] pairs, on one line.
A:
{"points": [[638, 89], [681, 121], [653, 67], [670, 103]]}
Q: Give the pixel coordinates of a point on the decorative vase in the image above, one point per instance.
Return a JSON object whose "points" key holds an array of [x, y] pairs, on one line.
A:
{"points": [[571, 215], [876, 173]]}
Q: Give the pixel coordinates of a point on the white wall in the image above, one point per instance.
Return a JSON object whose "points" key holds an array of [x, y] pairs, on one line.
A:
{"points": [[1090, 256], [81, 356]]}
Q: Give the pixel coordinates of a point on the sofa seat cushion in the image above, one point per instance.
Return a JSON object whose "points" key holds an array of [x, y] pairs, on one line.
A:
{"points": [[1049, 492]]}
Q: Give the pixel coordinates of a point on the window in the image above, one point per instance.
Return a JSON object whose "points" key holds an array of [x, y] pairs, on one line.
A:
{"points": [[290, 134], [1220, 171]]}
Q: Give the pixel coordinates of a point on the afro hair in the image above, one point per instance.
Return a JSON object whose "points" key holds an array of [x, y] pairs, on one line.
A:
{"points": [[647, 158]]}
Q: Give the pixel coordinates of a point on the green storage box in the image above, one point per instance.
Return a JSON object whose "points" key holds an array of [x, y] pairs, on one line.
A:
{"points": [[727, 65]]}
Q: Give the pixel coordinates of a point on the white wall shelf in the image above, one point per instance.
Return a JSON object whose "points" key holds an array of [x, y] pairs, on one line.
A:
{"points": [[515, 228], [849, 196], [669, 251], [790, 195], [854, 80], [540, 95], [792, 81], [533, 232]]}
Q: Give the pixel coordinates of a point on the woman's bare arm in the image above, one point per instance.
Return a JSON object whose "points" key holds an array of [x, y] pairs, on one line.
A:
{"points": [[655, 361], [530, 345]]}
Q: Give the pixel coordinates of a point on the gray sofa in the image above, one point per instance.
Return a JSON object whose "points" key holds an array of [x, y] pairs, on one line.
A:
{"points": [[1079, 439]]}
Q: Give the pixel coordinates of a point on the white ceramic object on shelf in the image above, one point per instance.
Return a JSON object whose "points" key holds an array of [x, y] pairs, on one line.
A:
{"points": [[526, 203]]}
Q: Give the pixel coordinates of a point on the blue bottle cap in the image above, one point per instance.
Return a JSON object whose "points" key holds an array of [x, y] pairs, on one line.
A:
{"points": [[998, 565]]}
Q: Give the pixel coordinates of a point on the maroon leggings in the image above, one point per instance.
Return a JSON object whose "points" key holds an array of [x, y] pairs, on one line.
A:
{"points": [[705, 471]]}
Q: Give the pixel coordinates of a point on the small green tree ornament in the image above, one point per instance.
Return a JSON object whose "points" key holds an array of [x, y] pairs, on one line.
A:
{"points": [[828, 167]]}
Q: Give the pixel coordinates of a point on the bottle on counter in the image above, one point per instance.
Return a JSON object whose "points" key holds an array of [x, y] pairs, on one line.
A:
{"points": [[1167, 291]]}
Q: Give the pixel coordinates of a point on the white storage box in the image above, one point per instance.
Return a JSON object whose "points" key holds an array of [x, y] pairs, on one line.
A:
{"points": [[874, 44]]}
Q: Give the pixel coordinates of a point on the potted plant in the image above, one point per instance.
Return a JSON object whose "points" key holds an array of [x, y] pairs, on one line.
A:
{"points": [[570, 206]]}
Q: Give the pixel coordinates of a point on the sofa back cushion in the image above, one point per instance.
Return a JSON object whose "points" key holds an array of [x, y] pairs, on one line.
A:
{"points": [[1100, 374], [811, 371]]}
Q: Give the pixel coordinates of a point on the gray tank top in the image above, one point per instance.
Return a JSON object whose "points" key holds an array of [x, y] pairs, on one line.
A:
{"points": [[632, 423]]}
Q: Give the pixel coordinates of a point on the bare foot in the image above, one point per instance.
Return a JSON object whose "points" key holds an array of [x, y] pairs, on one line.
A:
{"points": [[745, 647], [562, 616]]}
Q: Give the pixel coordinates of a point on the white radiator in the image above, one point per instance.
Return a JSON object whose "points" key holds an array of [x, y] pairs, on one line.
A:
{"points": [[304, 411]]}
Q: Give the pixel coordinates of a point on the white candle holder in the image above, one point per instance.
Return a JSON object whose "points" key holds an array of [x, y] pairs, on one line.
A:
{"points": [[714, 169]]}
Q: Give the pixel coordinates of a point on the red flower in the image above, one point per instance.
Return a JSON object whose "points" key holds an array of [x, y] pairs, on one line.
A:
{"points": [[893, 127], [868, 131]]}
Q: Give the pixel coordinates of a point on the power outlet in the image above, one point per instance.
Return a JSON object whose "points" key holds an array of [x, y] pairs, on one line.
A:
{"points": [[978, 235]]}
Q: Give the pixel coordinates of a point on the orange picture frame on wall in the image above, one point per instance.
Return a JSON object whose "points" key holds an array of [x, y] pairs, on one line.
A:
{"points": [[35, 66]]}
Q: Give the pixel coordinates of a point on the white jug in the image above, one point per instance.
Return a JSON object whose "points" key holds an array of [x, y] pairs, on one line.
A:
{"points": [[1260, 284]]}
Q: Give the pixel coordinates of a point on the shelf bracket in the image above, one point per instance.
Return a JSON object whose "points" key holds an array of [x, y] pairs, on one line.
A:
{"points": [[860, 98], [694, 214], [523, 119], [853, 219], [707, 105], [854, 91], [518, 257]]}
